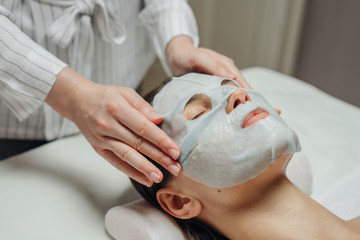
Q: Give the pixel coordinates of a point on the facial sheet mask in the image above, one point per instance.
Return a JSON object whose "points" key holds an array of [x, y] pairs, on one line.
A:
{"points": [[215, 149]]}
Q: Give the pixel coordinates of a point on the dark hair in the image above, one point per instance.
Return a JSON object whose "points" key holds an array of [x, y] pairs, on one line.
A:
{"points": [[149, 97], [193, 228]]}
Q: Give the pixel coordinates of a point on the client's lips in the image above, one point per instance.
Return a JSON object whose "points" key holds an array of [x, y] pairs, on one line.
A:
{"points": [[254, 116]]}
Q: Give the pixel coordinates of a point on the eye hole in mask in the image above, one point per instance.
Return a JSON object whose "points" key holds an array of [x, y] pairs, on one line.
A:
{"points": [[200, 104], [228, 82], [197, 106]]}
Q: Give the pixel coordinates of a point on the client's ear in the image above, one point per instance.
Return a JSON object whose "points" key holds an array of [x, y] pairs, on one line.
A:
{"points": [[178, 205]]}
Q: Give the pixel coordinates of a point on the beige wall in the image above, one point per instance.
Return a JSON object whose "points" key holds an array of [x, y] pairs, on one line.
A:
{"points": [[317, 41], [252, 32], [329, 55]]}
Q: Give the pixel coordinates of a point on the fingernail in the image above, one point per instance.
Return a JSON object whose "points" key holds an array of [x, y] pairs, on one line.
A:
{"points": [[154, 176], [174, 169], [147, 183], [154, 115], [174, 154], [233, 77]]}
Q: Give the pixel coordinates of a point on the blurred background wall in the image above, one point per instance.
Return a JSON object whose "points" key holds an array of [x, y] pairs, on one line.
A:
{"points": [[317, 41], [329, 50]]}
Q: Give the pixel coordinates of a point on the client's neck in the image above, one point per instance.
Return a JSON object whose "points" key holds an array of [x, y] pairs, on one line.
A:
{"points": [[279, 210], [285, 212]]}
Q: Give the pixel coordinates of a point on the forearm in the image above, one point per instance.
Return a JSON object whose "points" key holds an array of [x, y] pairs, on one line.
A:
{"points": [[27, 71], [167, 19], [178, 43], [174, 48]]}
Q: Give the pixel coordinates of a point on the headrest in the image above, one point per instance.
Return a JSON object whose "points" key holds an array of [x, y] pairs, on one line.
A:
{"points": [[141, 220]]}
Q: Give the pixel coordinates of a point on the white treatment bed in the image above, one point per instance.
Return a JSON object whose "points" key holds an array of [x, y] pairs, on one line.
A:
{"points": [[62, 190]]}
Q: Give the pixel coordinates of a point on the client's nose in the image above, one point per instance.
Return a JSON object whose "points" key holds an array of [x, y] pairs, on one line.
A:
{"points": [[239, 96]]}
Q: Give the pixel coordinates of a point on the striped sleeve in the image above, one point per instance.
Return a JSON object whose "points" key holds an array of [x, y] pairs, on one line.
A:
{"points": [[27, 71], [166, 19]]}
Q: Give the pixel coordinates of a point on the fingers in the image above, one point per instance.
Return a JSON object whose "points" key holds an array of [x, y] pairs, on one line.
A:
{"points": [[132, 163], [154, 153], [211, 62], [134, 119], [243, 83], [185, 59], [123, 134], [120, 132], [128, 132], [142, 106], [232, 71], [208, 64], [126, 168]]}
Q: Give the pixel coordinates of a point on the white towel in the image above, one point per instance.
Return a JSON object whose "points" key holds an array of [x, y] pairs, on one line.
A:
{"points": [[343, 198]]}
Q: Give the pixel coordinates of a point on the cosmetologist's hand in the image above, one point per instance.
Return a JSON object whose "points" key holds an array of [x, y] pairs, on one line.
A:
{"points": [[183, 57], [117, 123]]}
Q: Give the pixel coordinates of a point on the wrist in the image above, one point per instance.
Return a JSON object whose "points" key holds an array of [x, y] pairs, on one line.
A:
{"points": [[68, 88], [178, 43]]}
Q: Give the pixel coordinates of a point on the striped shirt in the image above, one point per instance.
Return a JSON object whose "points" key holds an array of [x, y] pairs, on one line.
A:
{"points": [[107, 41]]}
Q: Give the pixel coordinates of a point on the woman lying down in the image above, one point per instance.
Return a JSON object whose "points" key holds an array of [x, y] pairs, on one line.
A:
{"points": [[235, 149]]}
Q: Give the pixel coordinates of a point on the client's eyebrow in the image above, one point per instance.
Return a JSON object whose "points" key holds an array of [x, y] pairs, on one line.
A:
{"points": [[228, 82], [193, 98], [198, 97]]}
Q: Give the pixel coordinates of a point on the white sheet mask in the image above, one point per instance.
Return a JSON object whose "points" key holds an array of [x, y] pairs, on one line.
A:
{"points": [[215, 149]]}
